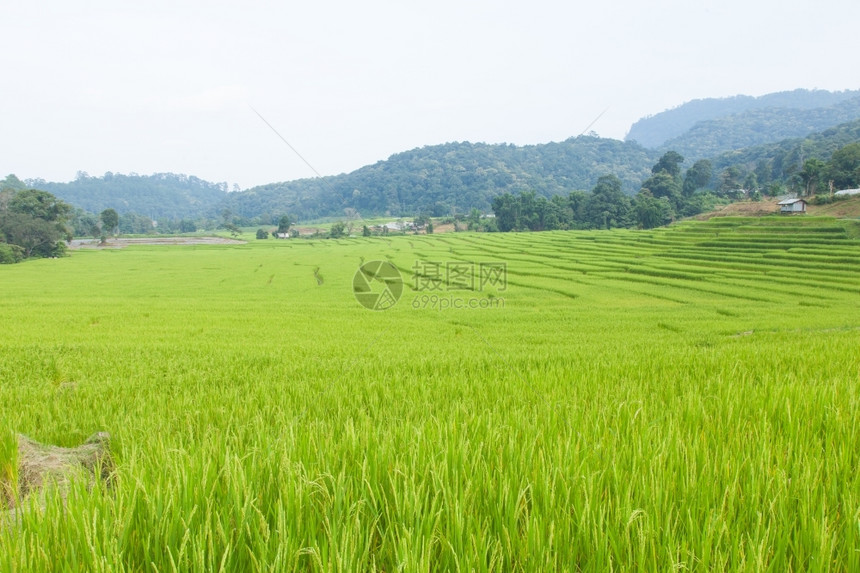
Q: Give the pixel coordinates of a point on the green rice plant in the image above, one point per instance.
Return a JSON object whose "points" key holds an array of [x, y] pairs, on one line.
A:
{"points": [[8, 469], [639, 403]]}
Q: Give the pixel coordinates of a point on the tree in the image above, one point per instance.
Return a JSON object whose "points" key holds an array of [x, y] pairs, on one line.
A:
{"points": [[697, 177], [12, 183], [652, 212], [262, 234], [110, 221], [5, 197], [576, 200], [775, 189], [421, 221], [473, 221], [85, 224], [338, 230], [352, 215], [751, 182], [37, 237], [813, 175], [662, 184], [506, 207], [529, 217], [141, 224], [730, 179], [41, 205], [763, 170], [844, 167], [608, 206], [235, 231], [670, 163], [34, 221], [284, 224], [524, 211], [10, 254]]}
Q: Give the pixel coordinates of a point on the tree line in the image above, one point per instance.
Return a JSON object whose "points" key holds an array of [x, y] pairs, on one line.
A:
{"points": [[32, 223], [663, 197], [36, 224], [805, 166], [450, 179]]}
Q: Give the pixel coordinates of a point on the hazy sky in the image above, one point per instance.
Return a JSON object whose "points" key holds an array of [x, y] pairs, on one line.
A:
{"points": [[161, 86]]}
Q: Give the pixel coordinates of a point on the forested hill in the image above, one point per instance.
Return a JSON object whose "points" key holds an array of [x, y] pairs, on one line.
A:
{"points": [[779, 162], [760, 126], [439, 179], [657, 130], [162, 195], [457, 177]]}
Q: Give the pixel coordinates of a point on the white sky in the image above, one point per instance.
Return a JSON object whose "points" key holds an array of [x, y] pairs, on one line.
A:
{"points": [[164, 86]]}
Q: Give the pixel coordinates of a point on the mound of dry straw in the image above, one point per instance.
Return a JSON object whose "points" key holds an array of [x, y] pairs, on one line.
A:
{"points": [[42, 466]]}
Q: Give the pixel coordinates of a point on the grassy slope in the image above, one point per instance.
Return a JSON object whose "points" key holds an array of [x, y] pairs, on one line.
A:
{"points": [[644, 399], [845, 209]]}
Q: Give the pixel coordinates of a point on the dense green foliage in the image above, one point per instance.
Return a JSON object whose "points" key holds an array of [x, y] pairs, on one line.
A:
{"points": [[756, 127], [781, 164], [657, 130], [680, 398], [452, 178], [10, 254], [663, 197], [110, 220], [606, 207], [32, 223], [436, 180], [161, 195]]}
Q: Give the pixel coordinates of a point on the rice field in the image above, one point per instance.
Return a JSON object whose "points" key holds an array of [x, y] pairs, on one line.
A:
{"points": [[683, 398]]}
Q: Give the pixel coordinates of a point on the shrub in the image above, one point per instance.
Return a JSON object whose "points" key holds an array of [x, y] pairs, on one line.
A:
{"points": [[10, 254]]}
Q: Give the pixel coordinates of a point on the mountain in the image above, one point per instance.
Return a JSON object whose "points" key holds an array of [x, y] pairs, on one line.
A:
{"points": [[162, 195], [455, 176], [759, 126], [768, 135], [656, 131], [439, 180], [780, 161]]}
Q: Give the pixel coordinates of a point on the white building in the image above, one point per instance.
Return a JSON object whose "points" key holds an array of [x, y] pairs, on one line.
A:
{"points": [[792, 206]]}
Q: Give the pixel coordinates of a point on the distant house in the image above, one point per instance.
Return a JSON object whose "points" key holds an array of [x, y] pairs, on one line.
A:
{"points": [[847, 192], [282, 235], [400, 226], [792, 206]]}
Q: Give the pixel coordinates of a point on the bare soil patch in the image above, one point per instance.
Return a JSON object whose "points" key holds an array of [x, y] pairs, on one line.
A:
{"points": [[743, 209], [844, 209]]}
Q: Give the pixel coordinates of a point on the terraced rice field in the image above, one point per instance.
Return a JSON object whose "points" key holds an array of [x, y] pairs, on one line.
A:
{"points": [[676, 399]]}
